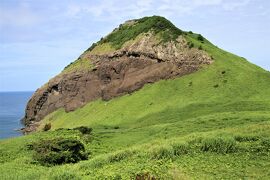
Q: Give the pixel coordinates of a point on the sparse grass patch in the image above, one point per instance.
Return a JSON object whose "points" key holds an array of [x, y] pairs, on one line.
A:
{"points": [[102, 49], [78, 65]]}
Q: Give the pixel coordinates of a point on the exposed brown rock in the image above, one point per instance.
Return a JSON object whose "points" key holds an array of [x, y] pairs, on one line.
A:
{"points": [[115, 74]]}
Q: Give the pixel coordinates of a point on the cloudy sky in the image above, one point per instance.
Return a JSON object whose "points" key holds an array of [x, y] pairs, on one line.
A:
{"points": [[38, 38]]}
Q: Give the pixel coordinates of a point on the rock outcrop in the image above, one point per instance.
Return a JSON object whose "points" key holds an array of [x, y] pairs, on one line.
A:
{"points": [[116, 73]]}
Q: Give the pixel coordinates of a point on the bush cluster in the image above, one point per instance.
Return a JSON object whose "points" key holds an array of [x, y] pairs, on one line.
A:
{"points": [[59, 151]]}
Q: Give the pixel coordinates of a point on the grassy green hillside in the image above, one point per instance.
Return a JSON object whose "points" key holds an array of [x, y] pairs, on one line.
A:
{"points": [[212, 124]]}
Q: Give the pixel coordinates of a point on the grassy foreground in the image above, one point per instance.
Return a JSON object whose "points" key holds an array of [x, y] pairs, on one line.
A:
{"points": [[213, 124]]}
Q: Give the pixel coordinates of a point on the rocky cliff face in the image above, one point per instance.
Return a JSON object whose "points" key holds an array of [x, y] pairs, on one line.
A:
{"points": [[108, 74]]}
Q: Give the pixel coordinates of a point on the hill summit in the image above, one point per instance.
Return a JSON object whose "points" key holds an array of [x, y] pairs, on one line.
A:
{"points": [[139, 51]]}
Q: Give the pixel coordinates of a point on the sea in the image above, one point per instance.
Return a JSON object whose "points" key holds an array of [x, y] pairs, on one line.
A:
{"points": [[12, 107]]}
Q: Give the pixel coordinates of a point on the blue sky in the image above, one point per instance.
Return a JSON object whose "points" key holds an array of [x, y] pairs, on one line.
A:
{"points": [[38, 38]]}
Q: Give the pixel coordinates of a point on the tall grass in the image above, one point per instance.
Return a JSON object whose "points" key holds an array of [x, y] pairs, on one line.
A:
{"points": [[219, 145]]}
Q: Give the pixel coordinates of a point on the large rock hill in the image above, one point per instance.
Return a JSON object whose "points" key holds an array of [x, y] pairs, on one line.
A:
{"points": [[137, 52]]}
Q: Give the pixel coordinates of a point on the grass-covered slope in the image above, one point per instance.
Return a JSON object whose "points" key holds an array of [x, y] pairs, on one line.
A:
{"points": [[212, 124], [229, 84]]}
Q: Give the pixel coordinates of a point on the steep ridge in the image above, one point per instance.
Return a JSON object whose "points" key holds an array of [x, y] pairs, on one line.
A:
{"points": [[157, 51]]}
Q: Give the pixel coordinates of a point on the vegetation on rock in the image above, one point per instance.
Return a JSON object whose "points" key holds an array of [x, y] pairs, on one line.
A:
{"points": [[157, 24]]}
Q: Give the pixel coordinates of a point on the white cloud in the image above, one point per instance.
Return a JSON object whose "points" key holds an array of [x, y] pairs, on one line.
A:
{"points": [[206, 2], [22, 14], [114, 9], [235, 5], [144, 3], [17, 16]]}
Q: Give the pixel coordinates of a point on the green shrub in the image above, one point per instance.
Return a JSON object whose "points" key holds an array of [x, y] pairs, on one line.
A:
{"points": [[216, 86], [47, 127], [200, 37], [219, 145], [84, 129], [59, 151], [200, 48]]}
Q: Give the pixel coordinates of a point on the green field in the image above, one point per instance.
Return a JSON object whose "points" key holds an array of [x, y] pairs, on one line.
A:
{"points": [[212, 124]]}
